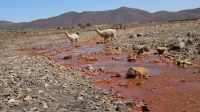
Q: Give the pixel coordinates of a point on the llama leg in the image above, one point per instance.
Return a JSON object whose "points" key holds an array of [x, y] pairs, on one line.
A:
{"points": [[109, 38], [104, 39], [78, 41], [71, 42], [74, 41]]}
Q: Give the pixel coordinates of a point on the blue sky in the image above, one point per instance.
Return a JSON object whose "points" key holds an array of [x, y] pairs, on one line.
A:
{"points": [[30, 10]]}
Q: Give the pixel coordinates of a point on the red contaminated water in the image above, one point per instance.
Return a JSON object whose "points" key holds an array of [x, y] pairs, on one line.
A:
{"points": [[169, 89]]}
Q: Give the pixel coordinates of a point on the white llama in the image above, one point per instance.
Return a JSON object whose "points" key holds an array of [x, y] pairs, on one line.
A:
{"points": [[106, 33], [72, 37]]}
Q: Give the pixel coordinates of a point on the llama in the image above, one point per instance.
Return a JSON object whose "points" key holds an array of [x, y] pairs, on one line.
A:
{"points": [[106, 33], [72, 37]]}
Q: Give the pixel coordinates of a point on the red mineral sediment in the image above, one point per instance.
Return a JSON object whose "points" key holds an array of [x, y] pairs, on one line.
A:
{"points": [[170, 88]]}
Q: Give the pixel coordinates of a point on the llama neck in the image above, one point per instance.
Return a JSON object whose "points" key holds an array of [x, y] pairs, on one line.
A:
{"points": [[98, 31], [67, 34]]}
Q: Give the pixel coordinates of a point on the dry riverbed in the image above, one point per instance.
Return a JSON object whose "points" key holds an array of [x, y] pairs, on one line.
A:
{"points": [[50, 74]]}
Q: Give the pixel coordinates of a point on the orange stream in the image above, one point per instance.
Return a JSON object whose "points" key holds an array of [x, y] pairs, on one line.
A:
{"points": [[169, 89]]}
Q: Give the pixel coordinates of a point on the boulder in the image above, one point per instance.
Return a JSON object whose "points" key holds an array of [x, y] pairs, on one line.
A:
{"points": [[137, 72], [143, 49], [180, 45], [132, 36], [139, 34], [161, 50]]}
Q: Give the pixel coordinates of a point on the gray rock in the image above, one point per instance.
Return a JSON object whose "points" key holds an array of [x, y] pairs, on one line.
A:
{"points": [[143, 49], [178, 46], [28, 89], [132, 36], [27, 98], [161, 50], [139, 34]]}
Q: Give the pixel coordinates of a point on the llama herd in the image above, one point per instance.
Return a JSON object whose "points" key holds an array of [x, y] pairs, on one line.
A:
{"points": [[106, 34]]}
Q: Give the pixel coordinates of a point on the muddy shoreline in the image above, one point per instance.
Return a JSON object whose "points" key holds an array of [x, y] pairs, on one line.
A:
{"points": [[33, 79]]}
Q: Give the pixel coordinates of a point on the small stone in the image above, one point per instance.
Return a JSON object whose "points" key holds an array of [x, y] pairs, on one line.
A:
{"points": [[161, 50], [136, 47], [53, 98], [45, 105], [33, 109], [145, 108], [129, 110], [63, 110], [155, 61], [105, 93], [89, 67], [183, 80], [40, 91], [80, 98], [184, 66], [132, 59], [141, 83], [67, 57], [95, 74], [13, 102], [139, 34], [132, 36], [102, 68], [28, 89], [118, 75], [46, 85], [27, 98], [119, 51], [143, 49]]}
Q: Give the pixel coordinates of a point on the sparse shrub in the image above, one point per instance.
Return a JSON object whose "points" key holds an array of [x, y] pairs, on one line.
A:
{"points": [[88, 24]]}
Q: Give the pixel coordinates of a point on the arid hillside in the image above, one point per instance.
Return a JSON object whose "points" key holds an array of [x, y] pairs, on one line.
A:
{"points": [[121, 15]]}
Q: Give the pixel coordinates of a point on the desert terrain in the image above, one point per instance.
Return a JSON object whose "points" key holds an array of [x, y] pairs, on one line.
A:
{"points": [[42, 71]]}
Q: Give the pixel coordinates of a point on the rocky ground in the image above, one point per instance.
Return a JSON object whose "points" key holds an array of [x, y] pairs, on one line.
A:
{"points": [[178, 41], [38, 84], [35, 83], [30, 82]]}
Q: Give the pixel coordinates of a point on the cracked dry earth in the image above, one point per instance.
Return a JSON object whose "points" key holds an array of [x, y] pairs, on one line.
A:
{"points": [[91, 76]]}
